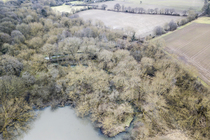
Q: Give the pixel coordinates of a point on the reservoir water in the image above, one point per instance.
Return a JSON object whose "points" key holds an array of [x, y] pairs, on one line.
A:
{"points": [[63, 124]]}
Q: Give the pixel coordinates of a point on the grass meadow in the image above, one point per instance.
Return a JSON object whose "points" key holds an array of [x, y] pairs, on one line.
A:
{"points": [[66, 8], [142, 24]]}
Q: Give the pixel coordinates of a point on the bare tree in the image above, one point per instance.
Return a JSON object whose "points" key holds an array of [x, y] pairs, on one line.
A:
{"points": [[175, 14], [132, 10], [206, 1], [156, 10], [166, 27], [10, 66], [191, 15], [136, 10], [95, 6], [141, 10], [103, 7], [184, 13], [73, 10], [206, 7], [49, 49], [166, 11], [129, 9], [171, 11], [152, 11], [149, 11], [17, 36], [158, 30], [4, 38], [123, 8], [117, 6], [162, 11], [208, 10], [172, 25], [182, 22]]}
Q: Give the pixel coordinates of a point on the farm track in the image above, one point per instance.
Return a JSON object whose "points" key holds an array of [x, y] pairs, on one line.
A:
{"points": [[192, 43]]}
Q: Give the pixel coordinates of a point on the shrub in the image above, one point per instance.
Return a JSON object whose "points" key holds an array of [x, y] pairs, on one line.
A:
{"points": [[36, 28], [182, 22], [4, 38], [10, 65], [24, 29], [158, 30], [172, 26], [191, 15], [17, 36], [35, 43]]}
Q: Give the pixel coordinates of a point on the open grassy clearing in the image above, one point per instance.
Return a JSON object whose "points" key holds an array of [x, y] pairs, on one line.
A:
{"points": [[142, 24], [178, 5], [110, 4], [192, 45], [173, 135], [66, 8], [205, 20], [77, 2]]}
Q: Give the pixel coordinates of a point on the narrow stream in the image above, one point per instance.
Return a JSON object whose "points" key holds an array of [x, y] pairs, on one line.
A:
{"points": [[63, 124]]}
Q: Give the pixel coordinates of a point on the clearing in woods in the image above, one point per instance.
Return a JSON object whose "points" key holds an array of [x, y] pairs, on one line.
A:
{"points": [[192, 44], [67, 8], [142, 24]]}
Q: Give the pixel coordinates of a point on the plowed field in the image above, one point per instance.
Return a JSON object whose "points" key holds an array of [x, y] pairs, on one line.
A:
{"points": [[193, 44]]}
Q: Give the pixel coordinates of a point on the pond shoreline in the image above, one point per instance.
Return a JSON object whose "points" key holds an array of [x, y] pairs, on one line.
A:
{"points": [[65, 112], [98, 129]]}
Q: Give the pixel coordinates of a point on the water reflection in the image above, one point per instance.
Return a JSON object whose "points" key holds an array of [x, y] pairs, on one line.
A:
{"points": [[63, 124]]}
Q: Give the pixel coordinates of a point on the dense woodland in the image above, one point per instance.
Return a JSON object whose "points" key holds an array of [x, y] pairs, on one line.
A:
{"points": [[49, 59]]}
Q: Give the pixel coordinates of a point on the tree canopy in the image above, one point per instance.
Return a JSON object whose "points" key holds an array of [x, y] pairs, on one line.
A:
{"points": [[54, 59]]}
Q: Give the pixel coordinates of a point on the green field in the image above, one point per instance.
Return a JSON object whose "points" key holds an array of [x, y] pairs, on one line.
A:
{"points": [[77, 2], [204, 20], [66, 8]]}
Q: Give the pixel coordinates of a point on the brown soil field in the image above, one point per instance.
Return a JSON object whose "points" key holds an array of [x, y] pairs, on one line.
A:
{"points": [[143, 24], [192, 44]]}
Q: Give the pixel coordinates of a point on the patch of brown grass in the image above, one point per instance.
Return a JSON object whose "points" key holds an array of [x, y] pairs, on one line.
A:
{"points": [[173, 135]]}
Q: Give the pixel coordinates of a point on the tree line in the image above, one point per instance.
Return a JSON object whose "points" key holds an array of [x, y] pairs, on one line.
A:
{"points": [[173, 25], [140, 10]]}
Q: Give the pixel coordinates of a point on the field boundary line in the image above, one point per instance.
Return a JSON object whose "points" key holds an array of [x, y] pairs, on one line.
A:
{"points": [[200, 68], [201, 77]]}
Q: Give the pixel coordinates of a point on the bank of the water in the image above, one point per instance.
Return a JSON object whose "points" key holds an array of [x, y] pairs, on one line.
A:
{"points": [[63, 124]]}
